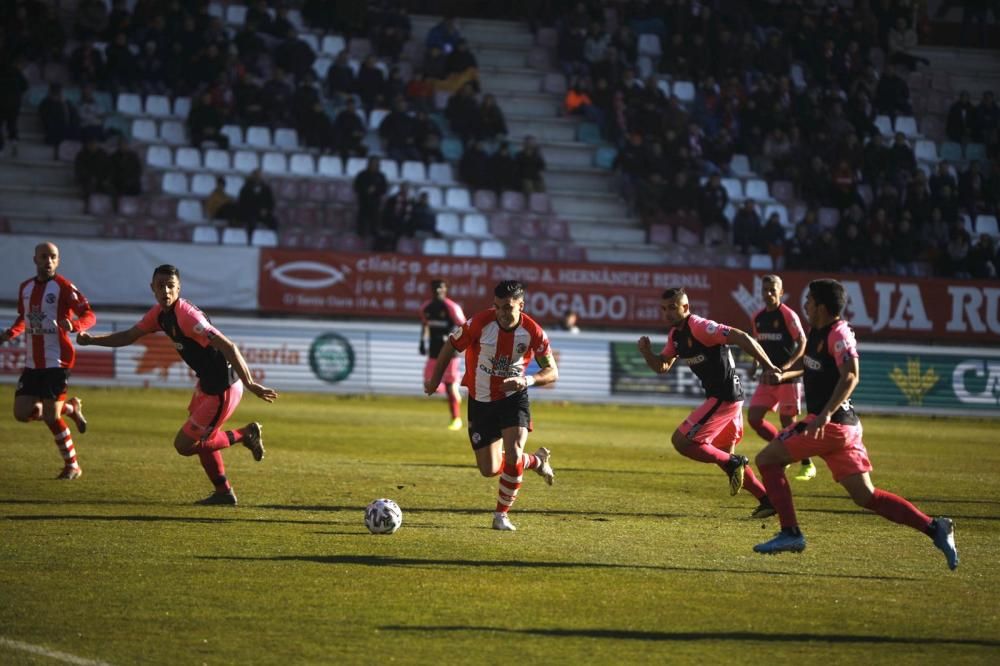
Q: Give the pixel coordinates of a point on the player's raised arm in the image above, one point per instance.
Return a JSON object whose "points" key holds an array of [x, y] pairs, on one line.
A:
{"points": [[116, 339], [656, 362], [235, 358], [746, 342]]}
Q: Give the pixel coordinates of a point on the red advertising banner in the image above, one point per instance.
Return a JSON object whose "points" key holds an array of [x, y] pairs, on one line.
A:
{"points": [[625, 296]]}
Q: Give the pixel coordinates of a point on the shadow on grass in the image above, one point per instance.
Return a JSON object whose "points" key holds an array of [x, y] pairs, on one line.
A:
{"points": [[389, 561], [686, 636], [165, 519], [590, 470], [936, 500], [595, 515]]}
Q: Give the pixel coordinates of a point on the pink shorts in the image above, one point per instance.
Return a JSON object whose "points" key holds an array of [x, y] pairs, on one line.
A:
{"points": [[450, 376], [715, 422], [786, 399], [207, 413], [840, 446]]}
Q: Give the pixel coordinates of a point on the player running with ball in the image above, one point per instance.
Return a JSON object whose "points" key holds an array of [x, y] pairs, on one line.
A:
{"points": [[499, 343]]}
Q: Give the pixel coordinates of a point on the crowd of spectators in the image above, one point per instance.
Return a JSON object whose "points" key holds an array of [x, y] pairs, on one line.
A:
{"points": [[798, 91]]}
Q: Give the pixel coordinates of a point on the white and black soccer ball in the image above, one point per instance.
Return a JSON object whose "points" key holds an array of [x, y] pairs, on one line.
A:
{"points": [[383, 516]]}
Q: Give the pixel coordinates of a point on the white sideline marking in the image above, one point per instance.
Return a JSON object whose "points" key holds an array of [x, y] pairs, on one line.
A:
{"points": [[52, 654]]}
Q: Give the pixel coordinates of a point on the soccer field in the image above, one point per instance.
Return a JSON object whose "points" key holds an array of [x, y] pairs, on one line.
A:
{"points": [[634, 555]]}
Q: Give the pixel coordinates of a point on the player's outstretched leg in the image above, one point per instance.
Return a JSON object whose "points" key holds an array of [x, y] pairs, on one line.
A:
{"points": [[253, 440], [736, 469], [73, 408], [543, 467], [942, 531]]}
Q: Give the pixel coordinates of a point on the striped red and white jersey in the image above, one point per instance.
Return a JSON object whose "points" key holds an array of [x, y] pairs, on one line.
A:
{"points": [[493, 354], [40, 306]]}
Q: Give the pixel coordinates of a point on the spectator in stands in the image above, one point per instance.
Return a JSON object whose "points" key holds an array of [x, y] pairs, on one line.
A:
{"points": [[681, 203], [149, 70], [398, 132], [961, 123], [248, 100], [905, 248], [982, 257], [341, 81], [370, 186], [747, 228], [773, 238], [901, 159], [428, 138], [294, 55], [91, 116], [420, 92], [578, 102], [92, 171], [91, 19], [395, 86], [902, 40], [423, 216], [435, 67], [277, 98], [315, 129], [473, 167], [987, 120], [530, 165], [396, 219], [258, 15], [119, 67], [250, 45], [349, 131], [305, 97], [892, 96], [204, 123], [855, 255], [971, 190], [60, 120], [799, 249], [444, 36], [13, 85], [371, 85], [220, 206], [86, 64], [491, 124], [462, 113], [711, 207], [126, 170], [568, 323], [391, 32], [501, 170], [256, 204], [462, 67], [942, 176]]}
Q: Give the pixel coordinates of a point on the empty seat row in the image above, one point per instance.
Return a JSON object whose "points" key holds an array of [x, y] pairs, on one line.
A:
{"points": [[158, 106], [464, 247], [211, 235], [472, 225]]}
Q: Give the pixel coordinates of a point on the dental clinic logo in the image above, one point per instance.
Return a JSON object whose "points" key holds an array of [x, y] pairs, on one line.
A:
{"points": [[306, 274], [331, 357]]}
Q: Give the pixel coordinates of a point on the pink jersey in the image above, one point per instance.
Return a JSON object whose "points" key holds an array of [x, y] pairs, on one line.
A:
{"points": [[191, 322], [702, 345], [493, 354], [41, 306], [827, 349]]}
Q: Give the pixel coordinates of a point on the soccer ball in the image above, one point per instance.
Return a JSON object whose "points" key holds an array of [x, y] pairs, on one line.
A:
{"points": [[383, 516]]}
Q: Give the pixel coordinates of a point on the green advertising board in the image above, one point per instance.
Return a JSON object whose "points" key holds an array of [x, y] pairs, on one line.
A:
{"points": [[907, 378]]}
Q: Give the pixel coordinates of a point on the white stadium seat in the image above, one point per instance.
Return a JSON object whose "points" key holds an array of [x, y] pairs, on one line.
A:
{"points": [[440, 173], [761, 262], [205, 234], [884, 125], [189, 210], [259, 137], [302, 164], [217, 159], [129, 104], [907, 125], [389, 169], [144, 130], [435, 198], [158, 105], [245, 161], [286, 138], [172, 132], [332, 44], [235, 236], [756, 189], [188, 158], [182, 107], [234, 133], [355, 165], [740, 166], [159, 156], [274, 163], [202, 184], [435, 247], [414, 172], [465, 247], [330, 165], [458, 197], [448, 224], [476, 225], [492, 249], [264, 238], [175, 182]]}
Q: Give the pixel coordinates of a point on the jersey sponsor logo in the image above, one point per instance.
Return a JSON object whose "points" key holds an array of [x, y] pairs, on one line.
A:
{"points": [[695, 360], [811, 363], [331, 357], [770, 337], [50, 298], [521, 348]]}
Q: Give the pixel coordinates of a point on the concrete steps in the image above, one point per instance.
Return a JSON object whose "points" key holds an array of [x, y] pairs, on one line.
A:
{"points": [[475, 31], [27, 173], [41, 200], [54, 226], [558, 177], [543, 129], [574, 204], [500, 81], [535, 105]]}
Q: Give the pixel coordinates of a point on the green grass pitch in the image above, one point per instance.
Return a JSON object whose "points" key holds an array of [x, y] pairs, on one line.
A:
{"points": [[635, 555]]}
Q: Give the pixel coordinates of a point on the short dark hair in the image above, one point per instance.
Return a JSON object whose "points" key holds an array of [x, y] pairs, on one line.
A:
{"points": [[672, 293], [437, 284], [166, 269], [830, 293], [509, 289]]}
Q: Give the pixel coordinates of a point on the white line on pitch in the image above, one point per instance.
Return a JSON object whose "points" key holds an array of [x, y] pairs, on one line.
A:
{"points": [[52, 654]]}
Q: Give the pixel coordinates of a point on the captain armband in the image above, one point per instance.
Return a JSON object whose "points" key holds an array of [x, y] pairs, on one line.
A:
{"points": [[545, 361]]}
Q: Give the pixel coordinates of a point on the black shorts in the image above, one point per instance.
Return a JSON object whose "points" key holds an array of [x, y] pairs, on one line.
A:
{"points": [[43, 383], [488, 419]]}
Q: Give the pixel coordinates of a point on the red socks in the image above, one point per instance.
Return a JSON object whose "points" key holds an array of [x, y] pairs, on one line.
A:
{"points": [[705, 453], [510, 482], [780, 494], [764, 429], [752, 485], [216, 471], [64, 442], [898, 510]]}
